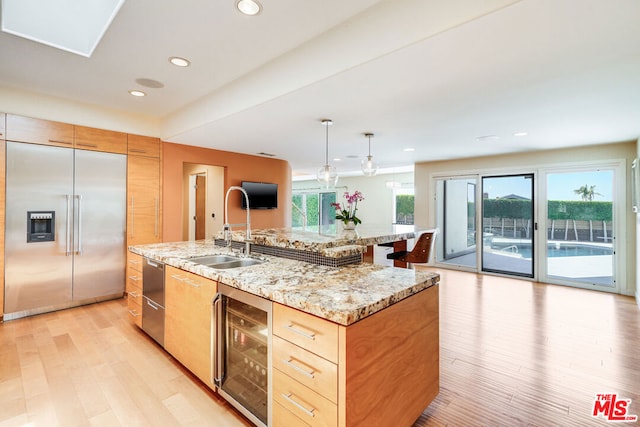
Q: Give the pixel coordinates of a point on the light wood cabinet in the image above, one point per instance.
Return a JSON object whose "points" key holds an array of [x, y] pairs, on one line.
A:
{"points": [[143, 146], [38, 131], [386, 369], [188, 305], [143, 200], [134, 287], [93, 139]]}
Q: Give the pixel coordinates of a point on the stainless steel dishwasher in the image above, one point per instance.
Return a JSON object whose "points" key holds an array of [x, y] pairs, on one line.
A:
{"points": [[153, 299]]}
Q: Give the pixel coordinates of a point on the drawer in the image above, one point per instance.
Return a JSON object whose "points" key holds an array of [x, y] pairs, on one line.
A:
{"points": [[309, 332], [134, 305], [304, 403], [134, 279], [134, 261], [282, 417], [311, 370]]}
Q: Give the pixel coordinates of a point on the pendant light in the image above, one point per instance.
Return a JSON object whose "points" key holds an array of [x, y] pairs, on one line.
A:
{"points": [[327, 175], [369, 166]]}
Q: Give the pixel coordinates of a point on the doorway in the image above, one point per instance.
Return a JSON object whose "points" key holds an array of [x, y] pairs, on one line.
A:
{"points": [[203, 207]]}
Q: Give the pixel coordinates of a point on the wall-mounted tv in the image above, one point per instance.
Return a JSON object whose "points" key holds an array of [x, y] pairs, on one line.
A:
{"points": [[261, 195]]}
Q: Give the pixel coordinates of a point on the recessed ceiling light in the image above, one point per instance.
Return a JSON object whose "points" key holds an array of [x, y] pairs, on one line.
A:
{"points": [[487, 138], [248, 7], [409, 149], [179, 62], [520, 134], [137, 93]]}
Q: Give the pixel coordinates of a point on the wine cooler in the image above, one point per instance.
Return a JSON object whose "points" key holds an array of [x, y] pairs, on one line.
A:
{"points": [[241, 355]]}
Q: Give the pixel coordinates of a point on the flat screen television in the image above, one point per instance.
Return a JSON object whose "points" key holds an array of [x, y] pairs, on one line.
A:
{"points": [[261, 195]]}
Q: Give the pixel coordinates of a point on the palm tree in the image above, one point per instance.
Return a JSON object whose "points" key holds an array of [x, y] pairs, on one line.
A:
{"points": [[587, 192]]}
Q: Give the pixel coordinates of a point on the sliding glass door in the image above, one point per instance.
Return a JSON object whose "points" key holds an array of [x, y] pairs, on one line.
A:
{"points": [[508, 224], [580, 227]]}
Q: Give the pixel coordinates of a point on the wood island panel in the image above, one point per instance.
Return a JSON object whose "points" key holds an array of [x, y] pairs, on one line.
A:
{"points": [[391, 363]]}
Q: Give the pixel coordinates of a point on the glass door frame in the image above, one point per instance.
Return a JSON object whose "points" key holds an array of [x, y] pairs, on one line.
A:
{"points": [[619, 222]]}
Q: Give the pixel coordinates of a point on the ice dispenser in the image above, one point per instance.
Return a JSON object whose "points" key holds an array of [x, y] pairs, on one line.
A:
{"points": [[41, 226]]}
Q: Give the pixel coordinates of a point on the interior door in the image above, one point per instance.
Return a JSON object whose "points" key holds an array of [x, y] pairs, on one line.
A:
{"points": [[508, 224], [201, 200]]}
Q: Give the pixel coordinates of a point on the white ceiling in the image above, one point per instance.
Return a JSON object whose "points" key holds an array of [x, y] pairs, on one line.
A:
{"points": [[427, 74]]}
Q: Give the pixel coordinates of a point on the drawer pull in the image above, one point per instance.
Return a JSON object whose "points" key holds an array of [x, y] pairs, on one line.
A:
{"points": [[60, 142], [178, 278], [289, 397], [310, 336], [298, 368], [83, 144], [134, 294], [133, 313], [137, 150], [134, 278], [134, 262], [192, 283]]}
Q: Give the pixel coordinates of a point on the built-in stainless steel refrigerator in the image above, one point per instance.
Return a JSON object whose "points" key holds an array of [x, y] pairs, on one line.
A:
{"points": [[65, 228]]}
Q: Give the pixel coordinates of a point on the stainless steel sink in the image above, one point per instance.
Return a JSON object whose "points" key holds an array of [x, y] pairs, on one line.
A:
{"points": [[241, 262], [212, 259], [225, 261]]}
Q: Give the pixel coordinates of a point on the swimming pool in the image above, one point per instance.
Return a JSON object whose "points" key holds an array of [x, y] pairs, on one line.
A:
{"points": [[566, 250]]}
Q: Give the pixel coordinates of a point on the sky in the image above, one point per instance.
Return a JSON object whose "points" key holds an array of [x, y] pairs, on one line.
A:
{"points": [[560, 186]]}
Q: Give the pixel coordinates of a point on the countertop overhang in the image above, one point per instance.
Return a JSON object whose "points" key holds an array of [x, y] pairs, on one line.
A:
{"points": [[342, 295]]}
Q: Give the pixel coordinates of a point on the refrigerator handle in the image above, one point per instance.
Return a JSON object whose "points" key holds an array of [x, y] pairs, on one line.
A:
{"points": [[79, 251], [68, 236], [217, 349]]}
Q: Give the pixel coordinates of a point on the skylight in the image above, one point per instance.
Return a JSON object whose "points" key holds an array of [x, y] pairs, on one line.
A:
{"points": [[76, 26]]}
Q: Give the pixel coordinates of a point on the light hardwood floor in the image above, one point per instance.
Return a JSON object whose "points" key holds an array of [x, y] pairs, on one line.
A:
{"points": [[511, 353]]}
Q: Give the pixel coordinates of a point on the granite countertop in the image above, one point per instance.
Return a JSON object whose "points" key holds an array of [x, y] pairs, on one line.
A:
{"points": [[364, 235], [342, 295]]}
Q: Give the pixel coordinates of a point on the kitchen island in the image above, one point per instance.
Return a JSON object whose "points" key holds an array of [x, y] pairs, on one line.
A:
{"points": [[380, 346]]}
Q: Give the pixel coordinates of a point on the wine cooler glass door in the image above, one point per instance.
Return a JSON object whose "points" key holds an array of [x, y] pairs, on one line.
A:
{"points": [[243, 354]]}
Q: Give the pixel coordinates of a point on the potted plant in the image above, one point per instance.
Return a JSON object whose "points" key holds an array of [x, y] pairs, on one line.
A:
{"points": [[347, 212]]}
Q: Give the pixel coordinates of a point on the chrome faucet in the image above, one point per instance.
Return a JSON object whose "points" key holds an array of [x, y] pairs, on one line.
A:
{"points": [[227, 226]]}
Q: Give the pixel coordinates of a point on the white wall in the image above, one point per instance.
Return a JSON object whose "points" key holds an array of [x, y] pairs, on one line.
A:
{"points": [[61, 110], [377, 206], [526, 162]]}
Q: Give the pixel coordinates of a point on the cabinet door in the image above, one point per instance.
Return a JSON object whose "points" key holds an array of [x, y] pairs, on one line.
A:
{"points": [[143, 200], [143, 146], [38, 131], [100, 140], [187, 335]]}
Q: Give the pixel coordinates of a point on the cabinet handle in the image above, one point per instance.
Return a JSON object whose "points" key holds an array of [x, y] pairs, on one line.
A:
{"points": [[178, 278], [133, 217], [310, 374], [192, 283], [134, 294], [137, 150], [290, 396], [150, 304], [60, 142], [134, 262], [155, 230], [134, 278], [84, 144], [133, 313], [310, 336]]}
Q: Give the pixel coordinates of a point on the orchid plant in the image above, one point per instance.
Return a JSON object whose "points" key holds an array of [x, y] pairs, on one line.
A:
{"points": [[347, 212]]}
